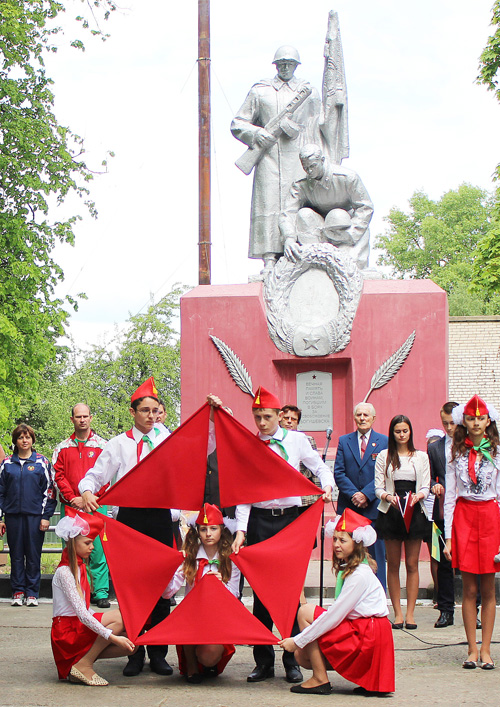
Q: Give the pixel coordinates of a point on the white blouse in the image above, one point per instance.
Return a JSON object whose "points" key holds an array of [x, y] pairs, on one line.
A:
{"points": [[67, 602], [178, 579], [362, 595], [460, 485]]}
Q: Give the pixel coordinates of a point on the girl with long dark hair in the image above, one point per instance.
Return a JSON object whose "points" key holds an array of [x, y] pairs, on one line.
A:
{"points": [[402, 475], [206, 548]]}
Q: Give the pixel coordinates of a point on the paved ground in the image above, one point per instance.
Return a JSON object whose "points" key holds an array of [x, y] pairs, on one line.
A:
{"points": [[426, 674]]}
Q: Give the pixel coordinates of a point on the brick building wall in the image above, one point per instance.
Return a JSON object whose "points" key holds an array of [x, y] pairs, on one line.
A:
{"points": [[474, 358]]}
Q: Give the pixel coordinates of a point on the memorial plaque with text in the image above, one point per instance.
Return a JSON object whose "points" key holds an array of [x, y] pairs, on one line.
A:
{"points": [[314, 398]]}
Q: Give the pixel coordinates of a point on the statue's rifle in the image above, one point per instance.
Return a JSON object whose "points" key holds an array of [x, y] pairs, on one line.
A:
{"points": [[253, 155]]}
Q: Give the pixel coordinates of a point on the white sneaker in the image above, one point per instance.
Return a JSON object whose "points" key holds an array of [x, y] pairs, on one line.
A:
{"points": [[17, 599], [31, 601]]}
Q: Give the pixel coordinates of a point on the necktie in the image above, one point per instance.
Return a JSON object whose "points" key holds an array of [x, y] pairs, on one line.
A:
{"points": [[363, 445]]}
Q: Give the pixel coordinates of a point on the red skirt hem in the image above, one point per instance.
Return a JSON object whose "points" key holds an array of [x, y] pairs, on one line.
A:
{"points": [[362, 651], [70, 640], [228, 653], [475, 536]]}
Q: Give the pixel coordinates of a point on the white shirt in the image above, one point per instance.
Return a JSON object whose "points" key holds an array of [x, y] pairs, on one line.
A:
{"points": [[118, 457], [299, 450], [459, 485], [67, 602], [362, 595], [178, 579]]}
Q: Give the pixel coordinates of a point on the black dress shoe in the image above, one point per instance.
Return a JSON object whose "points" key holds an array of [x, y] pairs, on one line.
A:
{"points": [[368, 693], [261, 672], [445, 619], [324, 689], [160, 666], [293, 674], [102, 603], [134, 666], [194, 679]]}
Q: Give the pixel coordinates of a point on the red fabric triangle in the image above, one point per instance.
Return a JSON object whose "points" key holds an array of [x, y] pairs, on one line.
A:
{"points": [[249, 472], [209, 614], [172, 475], [276, 568], [140, 568]]}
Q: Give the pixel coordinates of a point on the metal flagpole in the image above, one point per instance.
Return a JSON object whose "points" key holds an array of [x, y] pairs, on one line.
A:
{"points": [[322, 536], [204, 235]]}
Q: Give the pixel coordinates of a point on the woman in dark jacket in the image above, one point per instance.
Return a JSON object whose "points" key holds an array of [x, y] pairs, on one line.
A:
{"points": [[27, 502]]}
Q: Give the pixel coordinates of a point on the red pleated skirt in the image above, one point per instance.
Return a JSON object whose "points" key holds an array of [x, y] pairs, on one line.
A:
{"points": [[475, 536], [70, 641], [362, 651], [228, 653]]}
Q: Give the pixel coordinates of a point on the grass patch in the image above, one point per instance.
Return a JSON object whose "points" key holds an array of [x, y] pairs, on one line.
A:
{"points": [[48, 564]]}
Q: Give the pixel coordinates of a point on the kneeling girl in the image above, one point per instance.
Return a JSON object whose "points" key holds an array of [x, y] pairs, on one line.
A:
{"points": [[206, 548], [80, 636], [354, 636]]}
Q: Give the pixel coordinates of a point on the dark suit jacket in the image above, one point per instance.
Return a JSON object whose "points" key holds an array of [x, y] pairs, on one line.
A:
{"points": [[353, 474], [437, 460]]}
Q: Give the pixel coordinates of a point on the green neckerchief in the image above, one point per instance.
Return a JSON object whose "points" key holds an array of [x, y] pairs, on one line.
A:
{"points": [[340, 579], [484, 447], [280, 444], [147, 439]]}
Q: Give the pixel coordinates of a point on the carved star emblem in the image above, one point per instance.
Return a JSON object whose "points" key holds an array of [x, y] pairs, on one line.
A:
{"points": [[311, 342], [314, 378]]}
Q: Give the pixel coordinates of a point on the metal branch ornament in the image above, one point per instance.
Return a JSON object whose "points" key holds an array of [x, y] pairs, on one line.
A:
{"points": [[389, 368], [235, 367]]}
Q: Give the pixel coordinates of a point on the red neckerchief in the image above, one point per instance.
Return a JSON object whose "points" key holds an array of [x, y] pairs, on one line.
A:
{"points": [[140, 444], [484, 448], [202, 563], [472, 460], [84, 582]]}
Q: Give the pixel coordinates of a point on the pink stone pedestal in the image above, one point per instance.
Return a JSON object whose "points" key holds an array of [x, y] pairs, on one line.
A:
{"points": [[388, 313]]}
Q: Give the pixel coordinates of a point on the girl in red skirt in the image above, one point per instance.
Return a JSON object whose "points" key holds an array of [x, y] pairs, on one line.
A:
{"points": [[472, 518], [80, 636], [354, 636], [207, 547]]}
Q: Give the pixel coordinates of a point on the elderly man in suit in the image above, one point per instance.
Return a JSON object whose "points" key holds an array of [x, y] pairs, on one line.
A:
{"points": [[439, 455], [355, 474]]}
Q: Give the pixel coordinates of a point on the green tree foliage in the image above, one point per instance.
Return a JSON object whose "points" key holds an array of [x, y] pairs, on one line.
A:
{"points": [[487, 264], [40, 165], [438, 240], [105, 377], [489, 66]]}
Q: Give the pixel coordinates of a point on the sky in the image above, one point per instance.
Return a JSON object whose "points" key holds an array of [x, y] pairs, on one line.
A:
{"points": [[417, 120]]}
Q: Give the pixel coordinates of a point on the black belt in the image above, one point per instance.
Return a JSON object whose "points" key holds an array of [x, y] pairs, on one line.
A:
{"points": [[274, 511]]}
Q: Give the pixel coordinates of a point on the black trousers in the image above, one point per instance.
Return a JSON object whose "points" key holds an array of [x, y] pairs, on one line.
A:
{"points": [[156, 523], [445, 578], [262, 526]]}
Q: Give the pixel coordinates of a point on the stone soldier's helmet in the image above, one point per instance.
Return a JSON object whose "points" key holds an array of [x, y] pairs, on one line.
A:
{"points": [[286, 53]]}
